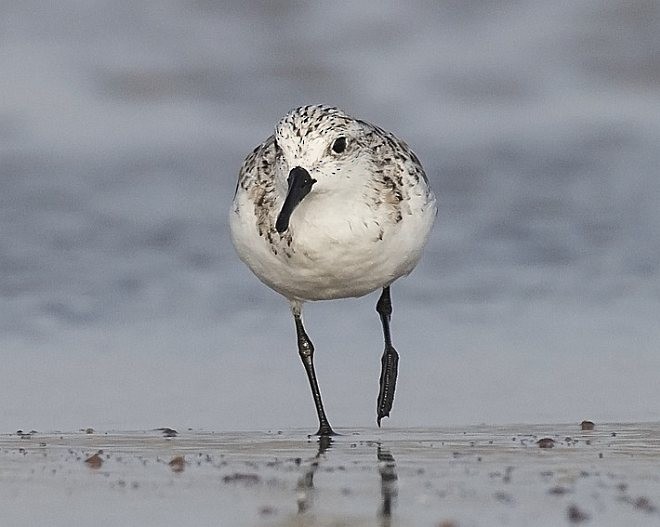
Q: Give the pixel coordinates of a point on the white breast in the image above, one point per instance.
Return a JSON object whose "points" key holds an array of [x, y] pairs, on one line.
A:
{"points": [[340, 247]]}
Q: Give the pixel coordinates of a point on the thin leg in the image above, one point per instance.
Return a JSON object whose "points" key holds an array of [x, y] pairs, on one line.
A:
{"points": [[306, 351], [390, 360]]}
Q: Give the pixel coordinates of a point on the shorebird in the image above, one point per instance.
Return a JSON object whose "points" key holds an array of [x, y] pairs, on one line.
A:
{"points": [[332, 207]]}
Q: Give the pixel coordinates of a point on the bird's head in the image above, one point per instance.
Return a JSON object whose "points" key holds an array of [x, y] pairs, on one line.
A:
{"points": [[318, 150]]}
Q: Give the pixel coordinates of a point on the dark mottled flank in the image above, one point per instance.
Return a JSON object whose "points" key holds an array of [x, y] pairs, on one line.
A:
{"points": [[257, 178], [395, 172]]}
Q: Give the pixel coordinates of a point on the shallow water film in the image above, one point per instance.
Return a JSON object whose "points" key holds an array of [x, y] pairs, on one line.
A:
{"points": [[450, 477]]}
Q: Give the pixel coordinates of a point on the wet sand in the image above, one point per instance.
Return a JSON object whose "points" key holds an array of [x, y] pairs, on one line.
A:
{"points": [[481, 475]]}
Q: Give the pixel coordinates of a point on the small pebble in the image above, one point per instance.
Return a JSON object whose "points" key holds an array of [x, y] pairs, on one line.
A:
{"points": [[575, 515], [546, 442], [246, 479], [644, 504], [558, 491], [177, 464], [503, 497], [168, 432], [95, 461]]}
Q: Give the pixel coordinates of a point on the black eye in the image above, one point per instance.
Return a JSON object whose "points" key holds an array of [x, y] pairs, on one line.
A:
{"points": [[339, 145]]}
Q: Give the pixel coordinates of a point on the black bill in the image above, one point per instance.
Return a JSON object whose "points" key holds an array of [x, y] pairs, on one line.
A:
{"points": [[300, 183]]}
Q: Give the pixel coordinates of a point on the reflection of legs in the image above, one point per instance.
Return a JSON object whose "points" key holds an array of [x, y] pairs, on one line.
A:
{"points": [[389, 361], [388, 482], [306, 481], [306, 351]]}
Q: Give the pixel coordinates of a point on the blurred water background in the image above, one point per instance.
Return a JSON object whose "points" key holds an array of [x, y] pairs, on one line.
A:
{"points": [[122, 128]]}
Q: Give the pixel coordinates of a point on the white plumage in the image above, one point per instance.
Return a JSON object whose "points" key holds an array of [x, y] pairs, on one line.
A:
{"points": [[330, 207]]}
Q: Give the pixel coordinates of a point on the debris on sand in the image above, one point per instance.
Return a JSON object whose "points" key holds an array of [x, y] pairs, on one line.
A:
{"points": [[168, 432], [177, 464], [95, 461], [575, 515], [504, 497], [587, 425], [546, 442], [642, 503], [558, 490], [245, 479], [266, 510]]}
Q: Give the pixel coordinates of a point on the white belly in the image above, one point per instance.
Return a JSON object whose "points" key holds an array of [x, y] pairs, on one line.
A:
{"points": [[333, 253]]}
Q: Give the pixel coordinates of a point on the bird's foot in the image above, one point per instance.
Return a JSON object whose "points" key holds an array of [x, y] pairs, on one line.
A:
{"points": [[388, 373], [325, 430]]}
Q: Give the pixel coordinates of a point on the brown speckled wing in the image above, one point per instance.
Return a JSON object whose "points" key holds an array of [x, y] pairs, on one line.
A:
{"points": [[396, 172]]}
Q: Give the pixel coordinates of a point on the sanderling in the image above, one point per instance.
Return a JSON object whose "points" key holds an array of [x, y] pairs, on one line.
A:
{"points": [[332, 207]]}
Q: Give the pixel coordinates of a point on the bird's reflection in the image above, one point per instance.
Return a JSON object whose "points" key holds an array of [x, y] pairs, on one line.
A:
{"points": [[388, 480], [306, 482], [388, 483]]}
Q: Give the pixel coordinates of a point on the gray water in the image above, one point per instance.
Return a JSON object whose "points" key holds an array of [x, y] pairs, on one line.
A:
{"points": [[122, 127]]}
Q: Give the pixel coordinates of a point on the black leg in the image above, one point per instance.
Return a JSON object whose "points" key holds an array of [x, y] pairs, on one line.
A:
{"points": [[389, 361], [306, 351]]}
